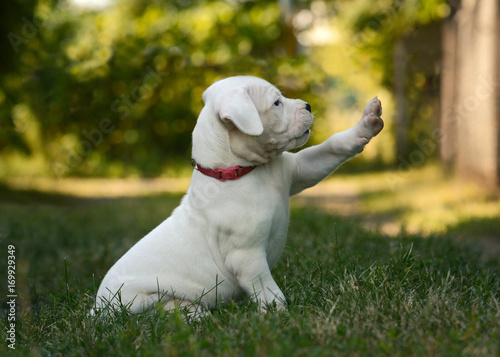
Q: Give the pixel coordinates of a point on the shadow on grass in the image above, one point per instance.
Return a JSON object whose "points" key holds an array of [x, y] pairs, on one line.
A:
{"points": [[481, 234], [483, 226], [28, 197]]}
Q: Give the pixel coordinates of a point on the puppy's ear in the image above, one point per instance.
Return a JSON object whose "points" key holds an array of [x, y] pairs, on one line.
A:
{"points": [[237, 107]]}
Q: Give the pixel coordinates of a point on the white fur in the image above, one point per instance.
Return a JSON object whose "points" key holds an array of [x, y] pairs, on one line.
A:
{"points": [[224, 238]]}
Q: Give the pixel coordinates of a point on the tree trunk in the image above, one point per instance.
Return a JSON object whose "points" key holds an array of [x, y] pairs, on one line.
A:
{"points": [[400, 59], [470, 114]]}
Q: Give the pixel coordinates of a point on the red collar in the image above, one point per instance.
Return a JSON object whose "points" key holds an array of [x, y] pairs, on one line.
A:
{"points": [[231, 173]]}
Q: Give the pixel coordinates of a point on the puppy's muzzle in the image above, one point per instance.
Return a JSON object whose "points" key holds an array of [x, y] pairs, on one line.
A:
{"points": [[308, 107]]}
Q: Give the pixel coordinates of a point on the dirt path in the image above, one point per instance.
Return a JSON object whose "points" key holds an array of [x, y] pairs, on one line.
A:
{"points": [[342, 198], [102, 188], [346, 199]]}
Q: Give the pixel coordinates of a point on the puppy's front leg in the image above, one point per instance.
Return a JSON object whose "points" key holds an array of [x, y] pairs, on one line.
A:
{"points": [[317, 162], [252, 271]]}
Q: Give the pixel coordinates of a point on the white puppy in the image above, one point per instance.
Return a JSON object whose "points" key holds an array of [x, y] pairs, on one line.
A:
{"points": [[231, 226]]}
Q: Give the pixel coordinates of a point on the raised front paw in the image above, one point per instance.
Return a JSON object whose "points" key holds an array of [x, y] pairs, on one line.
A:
{"points": [[370, 124]]}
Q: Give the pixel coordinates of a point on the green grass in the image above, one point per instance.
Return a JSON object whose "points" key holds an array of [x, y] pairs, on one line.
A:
{"points": [[350, 291]]}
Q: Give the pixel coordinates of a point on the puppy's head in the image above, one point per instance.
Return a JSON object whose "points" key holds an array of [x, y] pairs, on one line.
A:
{"points": [[258, 120]]}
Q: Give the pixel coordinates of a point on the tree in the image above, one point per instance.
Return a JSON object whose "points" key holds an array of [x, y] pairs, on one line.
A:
{"points": [[402, 38], [470, 111]]}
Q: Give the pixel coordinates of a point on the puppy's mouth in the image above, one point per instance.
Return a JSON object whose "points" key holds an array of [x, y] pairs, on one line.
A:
{"points": [[302, 139], [306, 133]]}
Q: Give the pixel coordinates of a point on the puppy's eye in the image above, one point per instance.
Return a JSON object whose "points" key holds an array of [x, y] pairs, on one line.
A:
{"points": [[277, 103]]}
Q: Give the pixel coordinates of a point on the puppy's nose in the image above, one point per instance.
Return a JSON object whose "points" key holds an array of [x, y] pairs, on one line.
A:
{"points": [[308, 107]]}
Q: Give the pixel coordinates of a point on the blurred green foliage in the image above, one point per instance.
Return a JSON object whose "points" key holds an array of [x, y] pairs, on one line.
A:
{"points": [[116, 92]]}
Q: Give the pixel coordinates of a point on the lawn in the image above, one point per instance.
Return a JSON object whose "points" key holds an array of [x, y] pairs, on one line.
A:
{"points": [[350, 290]]}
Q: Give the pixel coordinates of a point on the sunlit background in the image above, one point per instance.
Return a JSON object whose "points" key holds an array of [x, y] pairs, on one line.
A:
{"points": [[113, 88]]}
